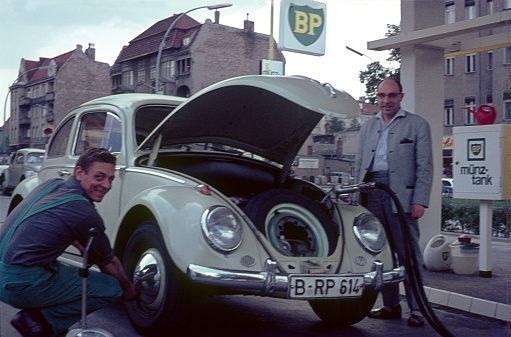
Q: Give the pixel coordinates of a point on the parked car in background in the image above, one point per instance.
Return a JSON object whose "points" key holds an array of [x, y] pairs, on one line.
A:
{"points": [[203, 201], [24, 163], [447, 186]]}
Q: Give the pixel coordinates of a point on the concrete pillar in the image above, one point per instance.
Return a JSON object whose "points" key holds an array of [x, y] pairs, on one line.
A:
{"points": [[422, 77]]}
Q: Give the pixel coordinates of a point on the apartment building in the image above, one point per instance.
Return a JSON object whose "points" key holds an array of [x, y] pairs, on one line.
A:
{"points": [[479, 77], [47, 89], [194, 56]]}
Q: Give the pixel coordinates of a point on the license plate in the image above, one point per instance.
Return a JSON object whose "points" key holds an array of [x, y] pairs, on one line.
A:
{"points": [[321, 286]]}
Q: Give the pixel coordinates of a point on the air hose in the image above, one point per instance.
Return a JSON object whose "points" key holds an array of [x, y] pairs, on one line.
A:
{"points": [[411, 264]]}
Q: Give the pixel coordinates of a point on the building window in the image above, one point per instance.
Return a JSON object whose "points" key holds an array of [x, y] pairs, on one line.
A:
{"points": [[127, 77], [489, 7], [490, 60], [470, 63], [449, 66], [507, 55], [141, 75], [183, 66], [450, 14], [153, 73], [470, 105], [507, 4], [166, 69], [449, 112], [507, 105], [470, 9]]}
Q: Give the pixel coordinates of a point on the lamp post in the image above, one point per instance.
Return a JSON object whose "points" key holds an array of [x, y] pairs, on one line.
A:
{"points": [[162, 44], [358, 53]]}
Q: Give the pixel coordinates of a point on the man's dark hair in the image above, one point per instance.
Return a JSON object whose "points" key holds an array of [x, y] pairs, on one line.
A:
{"points": [[93, 155]]}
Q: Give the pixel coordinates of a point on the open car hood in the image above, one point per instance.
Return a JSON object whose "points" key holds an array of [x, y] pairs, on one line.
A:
{"points": [[270, 116]]}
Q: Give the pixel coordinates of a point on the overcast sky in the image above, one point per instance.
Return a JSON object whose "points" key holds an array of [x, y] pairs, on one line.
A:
{"points": [[35, 28]]}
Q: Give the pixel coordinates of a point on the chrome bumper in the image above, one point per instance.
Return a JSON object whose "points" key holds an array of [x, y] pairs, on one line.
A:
{"points": [[269, 283]]}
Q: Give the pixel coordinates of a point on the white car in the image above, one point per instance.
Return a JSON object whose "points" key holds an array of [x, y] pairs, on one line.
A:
{"points": [[203, 200], [24, 163]]}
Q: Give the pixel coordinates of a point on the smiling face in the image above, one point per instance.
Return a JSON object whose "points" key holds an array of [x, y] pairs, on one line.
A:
{"points": [[389, 98], [97, 181]]}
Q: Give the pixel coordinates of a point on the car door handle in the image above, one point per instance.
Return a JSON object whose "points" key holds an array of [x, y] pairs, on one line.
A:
{"points": [[64, 173]]}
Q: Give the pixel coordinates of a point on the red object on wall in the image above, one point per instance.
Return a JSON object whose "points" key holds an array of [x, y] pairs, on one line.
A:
{"points": [[485, 114]]}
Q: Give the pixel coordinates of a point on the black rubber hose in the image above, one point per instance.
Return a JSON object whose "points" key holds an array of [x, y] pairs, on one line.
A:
{"points": [[412, 269]]}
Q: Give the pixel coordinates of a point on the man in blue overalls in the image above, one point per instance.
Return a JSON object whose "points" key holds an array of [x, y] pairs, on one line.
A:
{"points": [[54, 216]]}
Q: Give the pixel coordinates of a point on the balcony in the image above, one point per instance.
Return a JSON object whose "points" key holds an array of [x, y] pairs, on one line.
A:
{"points": [[50, 96], [25, 121], [24, 101]]}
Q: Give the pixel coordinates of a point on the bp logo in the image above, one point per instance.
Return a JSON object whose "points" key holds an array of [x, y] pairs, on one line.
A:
{"points": [[476, 149], [307, 24]]}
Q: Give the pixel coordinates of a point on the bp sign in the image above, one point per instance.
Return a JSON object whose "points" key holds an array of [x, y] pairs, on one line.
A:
{"points": [[302, 26]]}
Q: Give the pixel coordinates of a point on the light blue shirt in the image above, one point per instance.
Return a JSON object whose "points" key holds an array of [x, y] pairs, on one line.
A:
{"points": [[380, 162]]}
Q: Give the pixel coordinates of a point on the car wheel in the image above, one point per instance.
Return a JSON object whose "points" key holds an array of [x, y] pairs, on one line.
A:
{"points": [[344, 312], [293, 223], [164, 297]]}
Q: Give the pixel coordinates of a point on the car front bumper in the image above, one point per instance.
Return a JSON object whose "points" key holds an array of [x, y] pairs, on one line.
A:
{"points": [[270, 283]]}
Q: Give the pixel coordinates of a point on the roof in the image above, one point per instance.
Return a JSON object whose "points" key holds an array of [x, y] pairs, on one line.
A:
{"points": [[36, 70], [148, 42]]}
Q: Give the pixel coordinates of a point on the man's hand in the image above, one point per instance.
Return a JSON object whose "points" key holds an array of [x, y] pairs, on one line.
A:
{"points": [[417, 211], [131, 293]]}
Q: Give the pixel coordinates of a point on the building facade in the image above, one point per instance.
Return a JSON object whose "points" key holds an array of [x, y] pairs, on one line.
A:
{"points": [[478, 77], [49, 88], [194, 56]]}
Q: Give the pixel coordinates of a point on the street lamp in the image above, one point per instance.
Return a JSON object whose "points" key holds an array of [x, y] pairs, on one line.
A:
{"points": [[162, 44], [359, 53]]}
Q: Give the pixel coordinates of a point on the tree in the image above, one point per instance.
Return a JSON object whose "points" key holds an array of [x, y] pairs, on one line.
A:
{"points": [[376, 72], [337, 125]]}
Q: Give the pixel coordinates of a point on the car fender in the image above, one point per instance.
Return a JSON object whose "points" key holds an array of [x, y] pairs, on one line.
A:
{"points": [[178, 210], [22, 190]]}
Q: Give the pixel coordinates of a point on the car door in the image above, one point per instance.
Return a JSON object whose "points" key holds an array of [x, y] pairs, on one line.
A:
{"points": [[17, 168]]}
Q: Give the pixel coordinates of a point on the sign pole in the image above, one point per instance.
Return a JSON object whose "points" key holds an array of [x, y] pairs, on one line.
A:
{"points": [[270, 43], [485, 235]]}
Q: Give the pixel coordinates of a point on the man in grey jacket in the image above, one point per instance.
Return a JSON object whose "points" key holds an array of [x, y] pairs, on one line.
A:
{"points": [[395, 149]]}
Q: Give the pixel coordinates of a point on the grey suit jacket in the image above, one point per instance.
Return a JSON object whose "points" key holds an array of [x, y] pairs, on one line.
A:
{"points": [[410, 157]]}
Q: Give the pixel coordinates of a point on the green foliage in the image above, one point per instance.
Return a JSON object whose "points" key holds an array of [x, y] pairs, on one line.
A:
{"points": [[337, 125], [462, 215], [376, 72]]}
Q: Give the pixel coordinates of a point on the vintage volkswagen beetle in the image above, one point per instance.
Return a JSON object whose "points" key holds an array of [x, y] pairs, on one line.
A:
{"points": [[203, 202]]}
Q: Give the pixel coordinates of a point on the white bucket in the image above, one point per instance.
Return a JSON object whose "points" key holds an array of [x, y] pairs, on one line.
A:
{"points": [[464, 259], [437, 256]]}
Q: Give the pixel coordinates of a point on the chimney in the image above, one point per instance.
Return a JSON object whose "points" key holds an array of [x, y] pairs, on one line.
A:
{"points": [[91, 52], [217, 16], [248, 26]]}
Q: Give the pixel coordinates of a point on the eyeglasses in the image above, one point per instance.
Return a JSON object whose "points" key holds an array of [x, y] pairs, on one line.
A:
{"points": [[391, 95]]}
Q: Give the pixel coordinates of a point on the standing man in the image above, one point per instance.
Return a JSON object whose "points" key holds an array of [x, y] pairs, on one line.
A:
{"points": [[54, 216], [395, 150]]}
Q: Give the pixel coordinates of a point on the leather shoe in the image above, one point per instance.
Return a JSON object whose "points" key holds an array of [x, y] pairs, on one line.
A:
{"points": [[386, 312], [30, 323], [415, 321]]}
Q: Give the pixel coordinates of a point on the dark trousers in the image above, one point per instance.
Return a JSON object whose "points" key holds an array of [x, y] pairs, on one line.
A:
{"points": [[379, 203], [56, 291]]}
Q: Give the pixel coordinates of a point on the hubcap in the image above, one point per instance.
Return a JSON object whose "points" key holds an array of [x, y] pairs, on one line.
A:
{"points": [[152, 289]]}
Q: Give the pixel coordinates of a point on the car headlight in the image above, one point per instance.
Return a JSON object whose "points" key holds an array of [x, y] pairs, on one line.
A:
{"points": [[222, 228], [369, 232]]}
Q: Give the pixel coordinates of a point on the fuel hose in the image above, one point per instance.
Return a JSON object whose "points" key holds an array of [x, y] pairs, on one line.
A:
{"points": [[412, 269]]}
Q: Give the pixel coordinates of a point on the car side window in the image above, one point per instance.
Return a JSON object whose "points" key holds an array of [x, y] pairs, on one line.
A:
{"points": [[99, 129], [19, 158], [60, 139]]}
